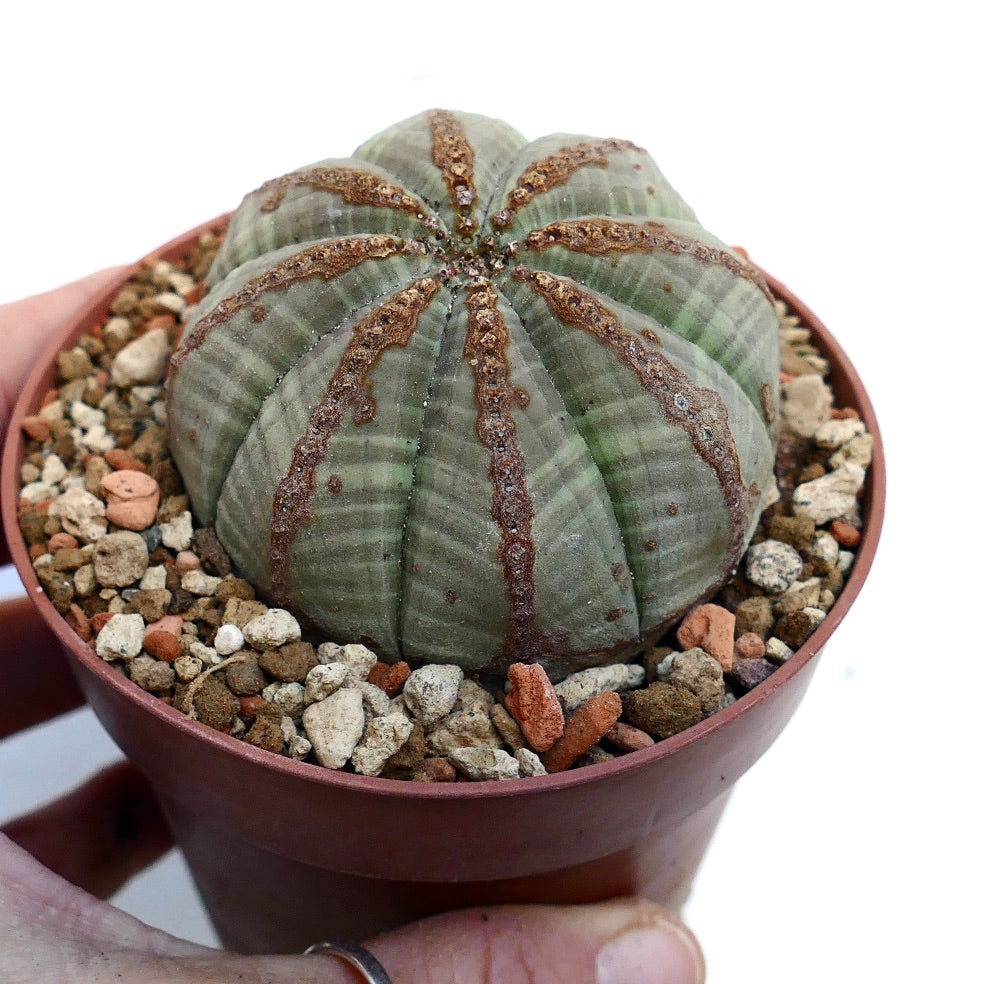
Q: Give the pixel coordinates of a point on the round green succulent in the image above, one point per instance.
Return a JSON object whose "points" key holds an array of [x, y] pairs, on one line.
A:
{"points": [[472, 399]]}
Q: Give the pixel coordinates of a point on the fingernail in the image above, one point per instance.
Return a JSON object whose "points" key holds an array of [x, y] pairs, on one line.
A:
{"points": [[656, 954]]}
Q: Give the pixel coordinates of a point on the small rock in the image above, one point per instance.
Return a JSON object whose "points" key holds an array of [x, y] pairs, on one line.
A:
{"points": [[806, 403], [702, 674], [162, 646], [176, 533], [712, 629], [485, 764], [776, 651], [53, 470], [580, 687], [587, 725], [845, 534], [244, 676], [822, 552], [132, 498], [228, 639], [431, 691], [749, 673], [154, 578], [357, 658], [215, 704], [120, 559], [186, 561], [186, 668], [858, 451], [773, 565], [290, 662], [534, 705], [749, 645], [832, 434], [85, 416], [290, 699], [529, 763], [794, 629], [198, 583], [383, 737], [267, 733], [323, 680], [470, 727], [628, 739], [662, 709], [389, 679], [754, 615], [273, 628], [120, 638], [507, 728], [334, 727], [435, 770], [142, 360], [151, 674], [80, 513], [831, 496]]}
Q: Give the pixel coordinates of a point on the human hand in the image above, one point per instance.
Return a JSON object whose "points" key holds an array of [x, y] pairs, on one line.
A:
{"points": [[58, 864]]}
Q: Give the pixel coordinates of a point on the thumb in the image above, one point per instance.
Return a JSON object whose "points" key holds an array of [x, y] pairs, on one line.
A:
{"points": [[625, 941]]}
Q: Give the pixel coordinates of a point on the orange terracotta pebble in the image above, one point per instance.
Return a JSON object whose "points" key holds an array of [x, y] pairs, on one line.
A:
{"points": [[389, 679], [749, 645], [99, 620], [79, 623], [62, 541], [165, 321], [712, 628], [131, 497], [628, 739], [37, 550], [169, 623], [844, 413], [186, 561], [49, 397], [162, 645], [248, 706], [845, 534], [120, 460], [534, 705], [587, 726], [37, 428], [785, 377], [438, 770]]}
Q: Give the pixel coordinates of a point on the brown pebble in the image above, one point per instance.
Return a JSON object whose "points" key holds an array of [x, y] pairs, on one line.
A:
{"points": [[662, 709], [389, 679], [628, 739], [811, 472], [845, 534], [844, 413], [37, 550], [245, 677], [36, 428], [587, 725], [162, 645], [120, 460], [407, 759], [215, 704], [754, 615], [794, 629], [749, 645], [212, 554], [534, 705], [62, 541], [290, 663], [749, 673], [711, 628], [794, 530], [266, 733]]}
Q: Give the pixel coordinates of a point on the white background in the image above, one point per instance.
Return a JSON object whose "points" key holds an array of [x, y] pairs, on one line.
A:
{"points": [[837, 142]]}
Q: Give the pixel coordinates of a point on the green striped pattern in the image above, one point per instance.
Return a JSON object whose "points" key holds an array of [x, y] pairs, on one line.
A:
{"points": [[476, 400]]}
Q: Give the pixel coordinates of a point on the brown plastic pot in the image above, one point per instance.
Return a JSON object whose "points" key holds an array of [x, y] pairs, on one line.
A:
{"points": [[285, 853]]}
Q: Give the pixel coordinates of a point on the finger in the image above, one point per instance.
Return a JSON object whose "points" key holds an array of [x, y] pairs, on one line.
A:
{"points": [[627, 941], [37, 682], [26, 326], [100, 835]]}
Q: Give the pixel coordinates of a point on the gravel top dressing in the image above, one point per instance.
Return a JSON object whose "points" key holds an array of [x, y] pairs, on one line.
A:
{"points": [[116, 548]]}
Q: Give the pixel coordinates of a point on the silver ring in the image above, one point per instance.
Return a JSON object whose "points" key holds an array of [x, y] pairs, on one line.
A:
{"points": [[358, 957]]}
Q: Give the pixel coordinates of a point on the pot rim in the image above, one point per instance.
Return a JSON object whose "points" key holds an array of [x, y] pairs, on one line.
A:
{"points": [[843, 377]]}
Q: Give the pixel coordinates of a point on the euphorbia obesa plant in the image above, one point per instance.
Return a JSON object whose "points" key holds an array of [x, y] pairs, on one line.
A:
{"points": [[477, 400]]}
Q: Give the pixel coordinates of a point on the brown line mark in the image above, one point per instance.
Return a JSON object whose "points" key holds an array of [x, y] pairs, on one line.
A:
{"points": [[548, 172], [699, 412], [354, 186], [392, 323], [512, 504], [604, 237], [454, 156], [326, 260]]}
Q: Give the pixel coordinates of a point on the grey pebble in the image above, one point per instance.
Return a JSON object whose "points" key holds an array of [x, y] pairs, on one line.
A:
{"points": [[121, 638], [384, 737], [334, 727], [120, 559], [773, 565], [431, 691], [482, 764], [580, 687]]}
